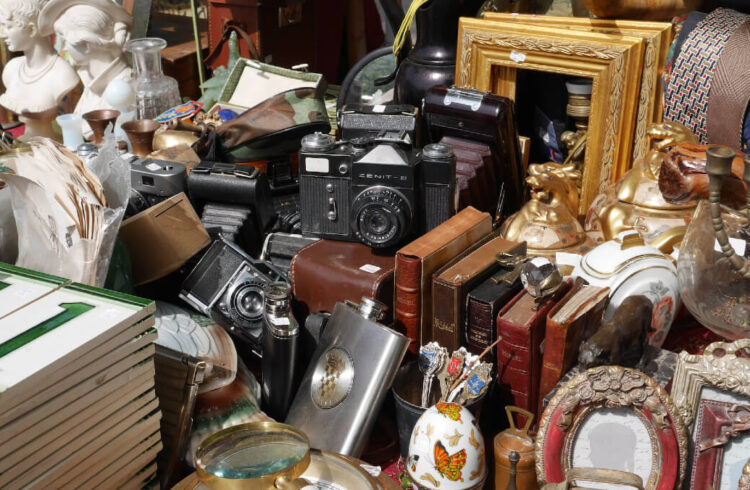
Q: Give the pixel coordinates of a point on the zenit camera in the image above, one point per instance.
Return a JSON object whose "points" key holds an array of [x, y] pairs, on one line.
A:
{"points": [[374, 191]]}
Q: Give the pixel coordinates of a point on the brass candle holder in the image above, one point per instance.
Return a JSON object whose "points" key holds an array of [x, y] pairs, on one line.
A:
{"points": [[99, 120], [141, 135], [719, 167]]}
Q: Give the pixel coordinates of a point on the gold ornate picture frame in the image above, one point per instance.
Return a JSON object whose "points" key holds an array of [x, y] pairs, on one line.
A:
{"points": [[721, 367], [657, 37], [491, 52]]}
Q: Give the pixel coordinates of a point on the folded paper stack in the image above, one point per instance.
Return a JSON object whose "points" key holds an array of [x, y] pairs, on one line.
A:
{"points": [[77, 401]]}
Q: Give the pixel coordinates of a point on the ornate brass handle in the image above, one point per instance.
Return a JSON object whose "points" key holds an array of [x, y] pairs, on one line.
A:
{"points": [[719, 167]]}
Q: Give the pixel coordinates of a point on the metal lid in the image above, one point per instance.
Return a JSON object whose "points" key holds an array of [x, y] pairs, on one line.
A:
{"points": [[317, 142], [87, 149], [371, 309], [278, 291], [437, 150]]}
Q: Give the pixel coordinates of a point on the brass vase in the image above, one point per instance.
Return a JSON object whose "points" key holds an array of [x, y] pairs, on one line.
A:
{"points": [[99, 120], [141, 135]]}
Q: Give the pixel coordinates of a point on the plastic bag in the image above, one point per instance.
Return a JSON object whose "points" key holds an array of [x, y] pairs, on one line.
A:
{"points": [[68, 235]]}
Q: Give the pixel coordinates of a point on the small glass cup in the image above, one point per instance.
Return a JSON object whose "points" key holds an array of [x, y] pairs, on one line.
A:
{"points": [[72, 130]]}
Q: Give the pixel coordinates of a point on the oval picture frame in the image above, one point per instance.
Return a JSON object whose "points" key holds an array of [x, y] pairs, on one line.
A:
{"points": [[606, 388]]}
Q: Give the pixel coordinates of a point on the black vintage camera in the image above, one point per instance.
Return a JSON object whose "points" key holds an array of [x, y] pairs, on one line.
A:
{"points": [[152, 181], [359, 120], [374, 192], [228, 285], [234, 201]]}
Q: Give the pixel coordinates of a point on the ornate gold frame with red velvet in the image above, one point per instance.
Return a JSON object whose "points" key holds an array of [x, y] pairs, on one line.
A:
{"points": [[609, 387], [721, 366], [717, 423]]}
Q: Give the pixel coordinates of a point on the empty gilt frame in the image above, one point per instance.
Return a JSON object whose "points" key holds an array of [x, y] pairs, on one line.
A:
{"points": [[490, 52], [658, 37], [721, 366]]}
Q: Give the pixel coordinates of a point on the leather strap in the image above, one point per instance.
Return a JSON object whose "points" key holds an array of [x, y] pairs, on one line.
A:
{"points": [[730, 91], [686, 100], [230, 26]]}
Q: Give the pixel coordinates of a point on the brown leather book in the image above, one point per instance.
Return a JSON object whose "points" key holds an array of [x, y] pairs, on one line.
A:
{"points": [[571, 321], [327, 272], [418, 261], [519, 357], [451, 284]]}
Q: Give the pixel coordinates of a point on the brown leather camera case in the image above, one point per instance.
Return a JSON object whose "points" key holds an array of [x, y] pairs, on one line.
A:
{"points": [[327, 272]]}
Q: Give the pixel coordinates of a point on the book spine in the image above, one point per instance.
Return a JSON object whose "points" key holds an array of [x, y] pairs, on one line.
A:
{"points": [[514, 364], [408, 271], [445, 312], [553, 358], [481, 326]]}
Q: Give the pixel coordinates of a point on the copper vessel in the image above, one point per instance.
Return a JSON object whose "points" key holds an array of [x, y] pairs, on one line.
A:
{"points": [[141, 135], [99, 120], [518, 440]]}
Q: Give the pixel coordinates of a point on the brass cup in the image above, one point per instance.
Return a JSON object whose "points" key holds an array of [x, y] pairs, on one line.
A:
{"points": [[99, 120], [141, 135]]}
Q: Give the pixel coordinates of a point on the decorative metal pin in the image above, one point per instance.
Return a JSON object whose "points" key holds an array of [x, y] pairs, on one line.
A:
{"points": [[508, 261], [432, 357]]}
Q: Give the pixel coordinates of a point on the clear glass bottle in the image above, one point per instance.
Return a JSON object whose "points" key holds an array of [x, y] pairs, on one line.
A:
{"points": [[154, 91], [280, 339], [713, 269]]}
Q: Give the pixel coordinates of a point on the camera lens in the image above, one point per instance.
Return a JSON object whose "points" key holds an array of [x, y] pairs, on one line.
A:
{"points": [[381, 216], [377, 221], [247, 302]]}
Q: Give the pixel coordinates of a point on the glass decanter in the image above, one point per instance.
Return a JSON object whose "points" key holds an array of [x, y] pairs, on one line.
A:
{"points": [[154, 91], [713, 274]]}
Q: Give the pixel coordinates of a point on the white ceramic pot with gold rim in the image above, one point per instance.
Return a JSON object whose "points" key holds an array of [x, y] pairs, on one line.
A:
{"points": [[628, 267]]}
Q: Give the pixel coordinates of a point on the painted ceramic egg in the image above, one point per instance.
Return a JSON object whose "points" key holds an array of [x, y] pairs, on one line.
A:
{"points": [[446, 450]]}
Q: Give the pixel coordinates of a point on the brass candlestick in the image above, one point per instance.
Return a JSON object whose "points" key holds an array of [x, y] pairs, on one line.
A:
{"points": [[141, 135], [99, 120], [719, 167]]}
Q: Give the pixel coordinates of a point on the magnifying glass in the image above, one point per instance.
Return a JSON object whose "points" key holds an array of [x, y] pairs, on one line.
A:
{"points": [[260, 455], [269, 455]]}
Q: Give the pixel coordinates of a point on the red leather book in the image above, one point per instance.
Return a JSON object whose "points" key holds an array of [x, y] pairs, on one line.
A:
{"points": [[519, 357], [571, 321], [418, 261]]}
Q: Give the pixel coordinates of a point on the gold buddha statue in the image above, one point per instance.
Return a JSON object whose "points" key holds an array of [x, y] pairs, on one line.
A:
{"points": [[635, 202]]}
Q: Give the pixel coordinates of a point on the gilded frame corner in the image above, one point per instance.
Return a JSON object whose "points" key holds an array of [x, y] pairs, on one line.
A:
{"points": [[490, 52], [657, 37], [719, 367]]}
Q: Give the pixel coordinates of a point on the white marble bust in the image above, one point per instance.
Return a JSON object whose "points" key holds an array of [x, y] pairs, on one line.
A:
{"points": [[37, 81], [94, 33]]}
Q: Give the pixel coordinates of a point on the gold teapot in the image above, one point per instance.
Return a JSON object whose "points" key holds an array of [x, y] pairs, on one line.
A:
{"points": [[547, 222], [635, 202]]}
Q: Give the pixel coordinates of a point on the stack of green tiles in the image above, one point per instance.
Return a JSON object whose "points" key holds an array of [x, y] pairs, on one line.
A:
{"points": [[77, 400]]}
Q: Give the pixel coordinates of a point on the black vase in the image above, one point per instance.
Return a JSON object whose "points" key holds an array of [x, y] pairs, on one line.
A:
{"points": [[432, 61]]}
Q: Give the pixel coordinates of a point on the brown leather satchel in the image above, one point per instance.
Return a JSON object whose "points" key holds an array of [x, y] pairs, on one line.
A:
{"points": [[327, 272]]}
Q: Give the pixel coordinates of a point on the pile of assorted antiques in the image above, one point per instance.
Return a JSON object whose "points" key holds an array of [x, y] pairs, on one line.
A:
{"points": [[513, 254]]}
